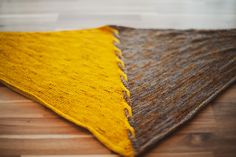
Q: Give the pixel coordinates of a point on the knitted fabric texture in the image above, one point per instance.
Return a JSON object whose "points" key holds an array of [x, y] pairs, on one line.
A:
{"points": [[75, 74], [172, 75]]}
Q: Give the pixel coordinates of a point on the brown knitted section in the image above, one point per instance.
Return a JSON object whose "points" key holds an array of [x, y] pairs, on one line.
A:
{"points": [[172, 74]]}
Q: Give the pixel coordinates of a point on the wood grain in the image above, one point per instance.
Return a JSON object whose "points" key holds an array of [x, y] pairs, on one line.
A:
{"points": [[23, 117], [28, 129]]}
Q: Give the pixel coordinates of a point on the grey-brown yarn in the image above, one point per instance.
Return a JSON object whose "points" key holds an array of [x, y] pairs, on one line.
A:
{"points": [[172, 74]]}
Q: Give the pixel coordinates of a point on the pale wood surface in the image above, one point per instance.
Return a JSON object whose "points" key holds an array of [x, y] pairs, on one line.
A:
{"points": [[43, 15], [28, 129]]}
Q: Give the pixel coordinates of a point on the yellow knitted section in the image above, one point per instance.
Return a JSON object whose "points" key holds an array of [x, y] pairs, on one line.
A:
{"points": [[75, 74]]}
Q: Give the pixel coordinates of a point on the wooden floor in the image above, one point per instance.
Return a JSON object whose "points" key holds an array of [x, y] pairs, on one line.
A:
{"points": [[28, 129]]}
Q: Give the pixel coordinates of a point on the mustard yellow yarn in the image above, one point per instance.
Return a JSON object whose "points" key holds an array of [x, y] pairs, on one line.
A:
{"points": [[74, 73]]}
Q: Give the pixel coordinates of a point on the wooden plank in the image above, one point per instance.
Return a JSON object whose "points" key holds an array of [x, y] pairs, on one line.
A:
{"points": [[42, 126], [228, 96], [24, 110], [103, 155], [42, 146], [195, 154], [28, 128], [8, 95], [204, 122]]}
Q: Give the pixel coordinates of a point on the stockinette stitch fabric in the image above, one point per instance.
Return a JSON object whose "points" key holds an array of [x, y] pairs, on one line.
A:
{"points": [[75, 74]]}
